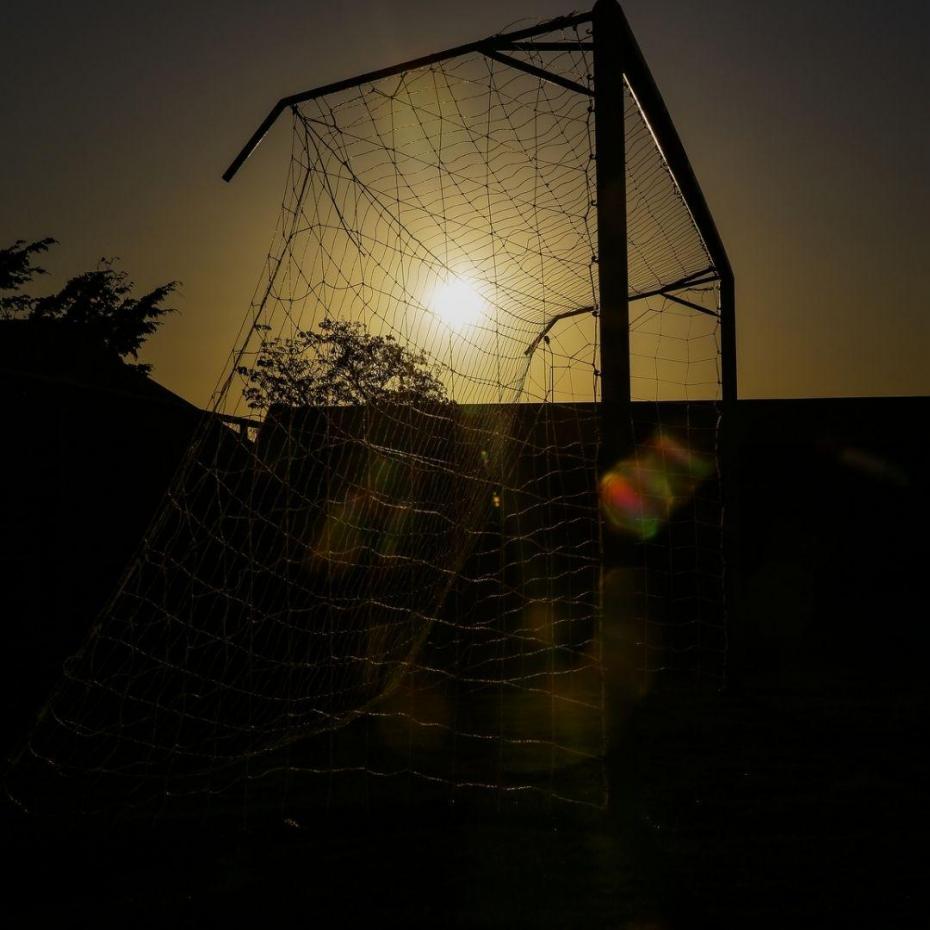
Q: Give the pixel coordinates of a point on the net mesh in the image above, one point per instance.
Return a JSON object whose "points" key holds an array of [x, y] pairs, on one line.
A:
{"points": [[387, 575]]}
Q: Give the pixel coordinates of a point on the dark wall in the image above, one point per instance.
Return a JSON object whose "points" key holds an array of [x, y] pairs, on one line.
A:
{"points": [[834, 511], [89, 447]]}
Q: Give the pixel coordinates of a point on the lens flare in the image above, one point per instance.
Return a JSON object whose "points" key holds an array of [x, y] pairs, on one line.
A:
{"points": [[640, 493]]}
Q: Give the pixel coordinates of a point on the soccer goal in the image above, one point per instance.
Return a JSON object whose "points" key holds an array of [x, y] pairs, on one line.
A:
{"points": [[476, 484]]}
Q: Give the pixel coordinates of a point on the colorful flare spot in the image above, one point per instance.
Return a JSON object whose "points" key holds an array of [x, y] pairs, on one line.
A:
{"points": [[639, 494]]}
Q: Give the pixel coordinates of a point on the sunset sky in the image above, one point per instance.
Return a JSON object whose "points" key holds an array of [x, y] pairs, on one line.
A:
{"points": [[806, 124]]}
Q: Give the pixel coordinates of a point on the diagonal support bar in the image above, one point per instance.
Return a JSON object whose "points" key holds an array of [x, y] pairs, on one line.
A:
{"points": [[544, 46], [538, 72], [568, 314], [692, 305], [708, 276]]}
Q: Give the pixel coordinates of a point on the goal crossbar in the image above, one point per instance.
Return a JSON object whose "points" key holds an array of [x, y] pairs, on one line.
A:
{"points": [[642, 84], [504, 40]]}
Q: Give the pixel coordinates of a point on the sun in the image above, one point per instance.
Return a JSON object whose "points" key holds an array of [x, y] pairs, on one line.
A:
{"points": [[458, 303]]}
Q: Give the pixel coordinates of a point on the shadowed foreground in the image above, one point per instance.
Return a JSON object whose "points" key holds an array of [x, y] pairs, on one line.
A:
{"points": [[772, 812]]}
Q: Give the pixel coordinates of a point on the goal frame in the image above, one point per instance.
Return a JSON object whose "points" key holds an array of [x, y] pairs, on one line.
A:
{"points": [[619, 63], [617, 56]]}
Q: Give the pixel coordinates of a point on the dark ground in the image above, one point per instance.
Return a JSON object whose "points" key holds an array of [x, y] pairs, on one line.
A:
{"points": [[787, 811]]}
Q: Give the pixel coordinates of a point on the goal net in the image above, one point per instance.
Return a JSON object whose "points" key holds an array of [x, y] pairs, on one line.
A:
{"points": [[378, 570]]}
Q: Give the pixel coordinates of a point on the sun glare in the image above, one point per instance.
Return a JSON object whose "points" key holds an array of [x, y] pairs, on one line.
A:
{"points": [[458, 303]]}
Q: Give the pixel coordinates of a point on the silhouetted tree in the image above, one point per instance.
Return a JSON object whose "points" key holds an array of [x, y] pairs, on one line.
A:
{"points": [[99, 301], [16, 270], [340, 364]]}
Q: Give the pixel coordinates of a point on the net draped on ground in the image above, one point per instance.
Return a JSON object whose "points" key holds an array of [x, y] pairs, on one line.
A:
{"points": [[405, 592]]}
